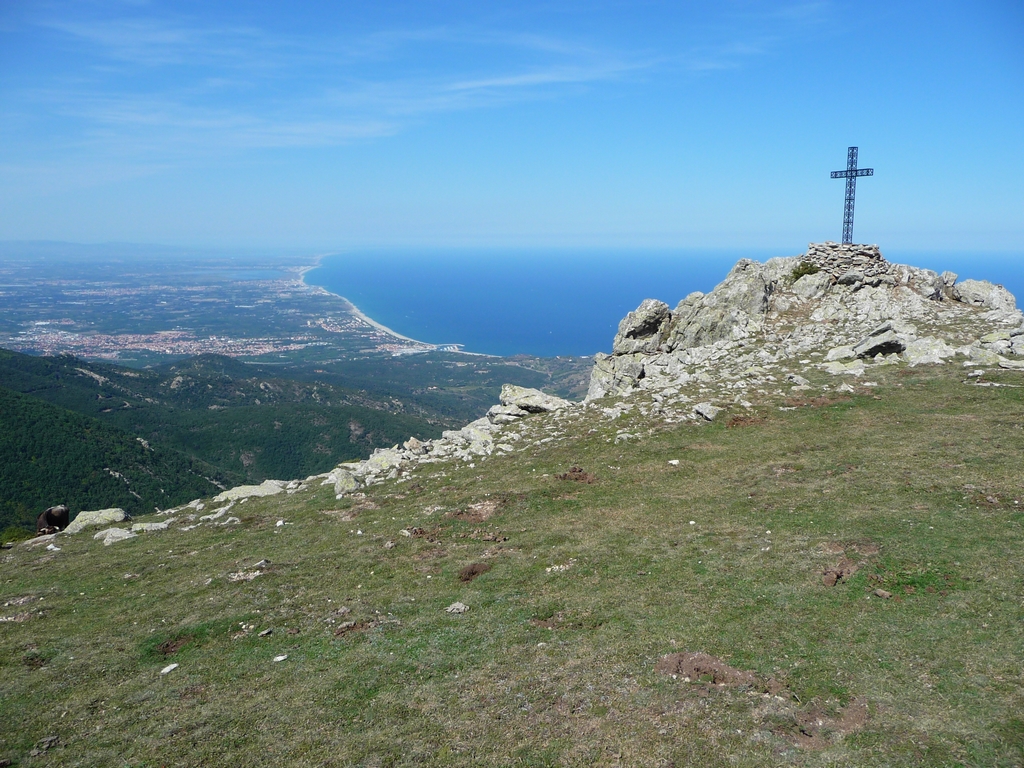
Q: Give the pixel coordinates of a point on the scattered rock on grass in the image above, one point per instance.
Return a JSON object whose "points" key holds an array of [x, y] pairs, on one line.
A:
{"points": [[457, 608]]}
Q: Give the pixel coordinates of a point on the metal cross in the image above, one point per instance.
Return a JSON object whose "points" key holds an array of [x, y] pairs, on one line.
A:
{"points": [[850, 174]]}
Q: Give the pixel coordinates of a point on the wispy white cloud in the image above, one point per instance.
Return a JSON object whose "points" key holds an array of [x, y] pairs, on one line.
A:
{"points": [[164, 84]]}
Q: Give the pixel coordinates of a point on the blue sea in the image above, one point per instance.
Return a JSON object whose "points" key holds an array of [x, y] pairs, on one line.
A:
{"points": [[557, 302]]}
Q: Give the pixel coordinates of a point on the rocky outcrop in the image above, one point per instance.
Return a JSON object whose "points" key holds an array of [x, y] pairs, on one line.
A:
{"points": [[643, 329], [97, 517], [845, 302]]}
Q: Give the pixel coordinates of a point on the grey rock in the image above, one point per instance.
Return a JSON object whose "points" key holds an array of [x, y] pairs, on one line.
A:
{"points": [[734, 309], [415, 446], [505, 414], [114, 535], [383, 460], [344, 481], [151, 527], [838, 367], [927, 283], [531, 400], [707, 411], [1013, 365], [927, 351], [884, 340], [840, 353], [981, 293], [457, 608], [851, 277], [813, 286], [614, 375], [643, 329], [97, 517], [266, 488]]}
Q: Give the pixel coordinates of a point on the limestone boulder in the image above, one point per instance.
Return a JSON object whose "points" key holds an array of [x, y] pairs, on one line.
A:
{"points": [[344, 481], [643, 329], [505, 414], [840, 353], [97, 517], [813, 286], [113, 535], [981, 293], [266, 488], [927, 351], [383, 460], [884, 340], [531, 400], [707, 411]]}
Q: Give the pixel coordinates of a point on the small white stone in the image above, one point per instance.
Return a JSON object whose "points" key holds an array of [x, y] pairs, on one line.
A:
{"points": [[693, 522], [280, 523], [674, 462], [168, 668], [282, 657]]}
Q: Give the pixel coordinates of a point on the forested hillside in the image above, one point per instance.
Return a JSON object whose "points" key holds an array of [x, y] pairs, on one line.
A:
{"points": [[50, 455]]}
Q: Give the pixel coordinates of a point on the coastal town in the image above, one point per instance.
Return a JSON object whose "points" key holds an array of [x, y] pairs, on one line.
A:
{"points": [[160, 311]]}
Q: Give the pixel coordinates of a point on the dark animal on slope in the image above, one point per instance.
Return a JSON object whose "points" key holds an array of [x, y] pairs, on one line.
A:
{"points": [[52, 520]]}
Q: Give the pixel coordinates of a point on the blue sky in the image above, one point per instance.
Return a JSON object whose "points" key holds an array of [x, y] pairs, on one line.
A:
{"points": [[337, 124]]}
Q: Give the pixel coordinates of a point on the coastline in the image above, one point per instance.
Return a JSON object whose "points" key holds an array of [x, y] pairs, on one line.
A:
{"points": [[354, 310]]}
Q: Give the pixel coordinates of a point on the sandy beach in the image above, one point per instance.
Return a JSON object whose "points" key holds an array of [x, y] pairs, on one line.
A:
{"points": [[354, 310]]}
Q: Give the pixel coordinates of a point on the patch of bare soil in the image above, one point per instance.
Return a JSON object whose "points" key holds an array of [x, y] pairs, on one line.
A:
{"points": [[192, 692], [473, 570], [430, 554], [814, 726], [343, 515], [578, 475], [482, 534], [702, 667], [479, 512], [347, 627], [173, 645], [815, 402], [743, 420], [846, 566]]}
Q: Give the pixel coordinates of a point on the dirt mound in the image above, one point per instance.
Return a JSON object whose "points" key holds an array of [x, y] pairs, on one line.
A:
{"points": [[578, 475], [473, 570], [347, 627], [694, 667], [840, 572]]}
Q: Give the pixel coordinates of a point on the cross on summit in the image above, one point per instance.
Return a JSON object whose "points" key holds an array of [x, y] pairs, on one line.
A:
{"points": [[850, 174]]}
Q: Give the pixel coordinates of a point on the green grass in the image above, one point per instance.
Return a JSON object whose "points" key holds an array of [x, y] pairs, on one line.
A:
{"points": [[557, 668]]}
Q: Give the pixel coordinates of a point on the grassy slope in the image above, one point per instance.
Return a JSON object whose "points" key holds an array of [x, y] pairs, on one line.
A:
{"points": [[923, 467]]}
